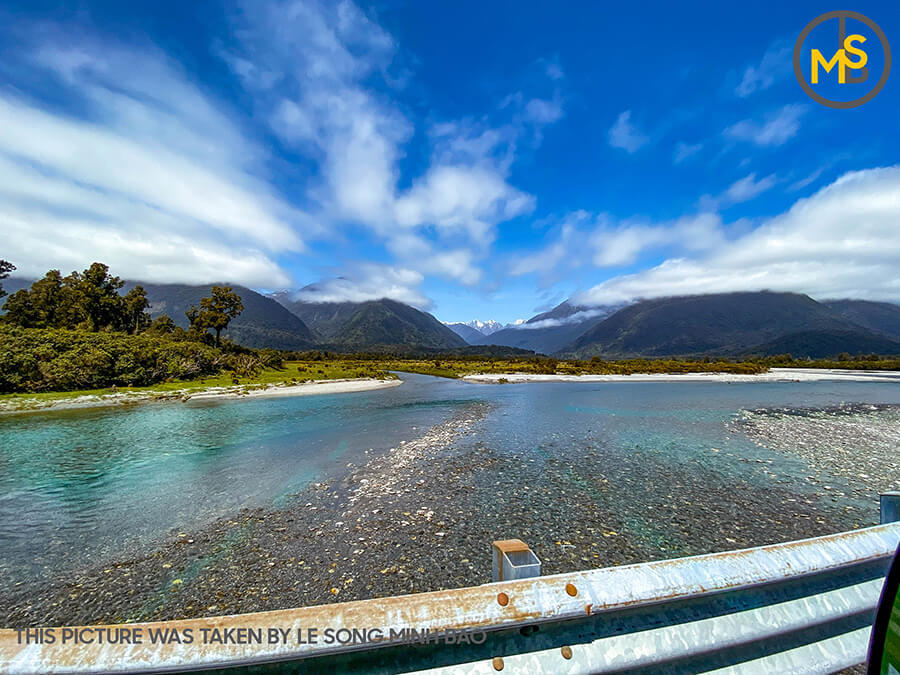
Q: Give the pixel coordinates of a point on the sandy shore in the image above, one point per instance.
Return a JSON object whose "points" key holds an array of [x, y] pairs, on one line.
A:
{"points": [[774, 375], [23, 405]]}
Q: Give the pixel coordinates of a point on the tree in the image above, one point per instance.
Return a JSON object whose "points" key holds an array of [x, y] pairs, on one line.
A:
{"points": [[88, 300], [49, 303], [100, 296], [162, 325], [5, 268], [216, 311], [133, 317]]}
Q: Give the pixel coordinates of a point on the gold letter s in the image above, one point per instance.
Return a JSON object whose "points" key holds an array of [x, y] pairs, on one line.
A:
{"points": [[848, 46]]}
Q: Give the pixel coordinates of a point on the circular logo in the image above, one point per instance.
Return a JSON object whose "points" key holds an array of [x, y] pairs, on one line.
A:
{"points": [[840, 59]]}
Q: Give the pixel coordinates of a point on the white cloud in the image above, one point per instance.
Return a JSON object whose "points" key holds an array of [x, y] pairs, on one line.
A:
{"points": [[552, 69], [311, 67], [577, 317], [547, 259], [775, 64], [685, 150], [157, 179], [747, 188], [778, 128], [461, 199], [543, 111], [625, 135], [457, 264], [808, 180], [843, 241], [621, 244], [585, 239], [150, 177], [567, 237], [369, 282]]}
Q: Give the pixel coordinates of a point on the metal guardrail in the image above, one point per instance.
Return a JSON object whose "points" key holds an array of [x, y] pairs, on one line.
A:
{"points": [[799, 607]]}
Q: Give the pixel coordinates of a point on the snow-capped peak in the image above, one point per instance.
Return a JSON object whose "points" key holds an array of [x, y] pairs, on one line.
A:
{"points": [[484, 327]]}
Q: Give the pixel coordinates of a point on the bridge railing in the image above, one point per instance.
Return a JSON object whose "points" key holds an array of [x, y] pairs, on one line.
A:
{"points": [[802, 606]]}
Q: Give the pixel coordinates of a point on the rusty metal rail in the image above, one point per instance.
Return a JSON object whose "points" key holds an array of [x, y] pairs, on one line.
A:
{"points": [[800, 606]]}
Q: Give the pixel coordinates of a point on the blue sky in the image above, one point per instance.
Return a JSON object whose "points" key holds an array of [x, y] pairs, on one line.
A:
{"points": [[479, 160]]}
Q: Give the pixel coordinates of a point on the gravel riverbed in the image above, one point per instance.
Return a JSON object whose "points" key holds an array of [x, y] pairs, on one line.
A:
{"points": [[422, 516], [852, 449]]}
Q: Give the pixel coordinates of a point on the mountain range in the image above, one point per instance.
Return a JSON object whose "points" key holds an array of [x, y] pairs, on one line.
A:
{"points": [[551, 331], [263, 323], [371, 325], [472, 331], [735, 324], [725, 324]]}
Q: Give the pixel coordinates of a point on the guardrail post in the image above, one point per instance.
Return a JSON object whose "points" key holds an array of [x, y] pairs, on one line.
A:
{"points": [[513, 559], [890, 507]]}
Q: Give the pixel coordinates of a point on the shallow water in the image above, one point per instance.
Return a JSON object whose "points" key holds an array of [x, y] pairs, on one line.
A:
{"points": [[81, 487]]}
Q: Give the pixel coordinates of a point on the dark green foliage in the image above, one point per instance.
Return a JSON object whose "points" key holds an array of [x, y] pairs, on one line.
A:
{"points": [[270, 358], [49, 303], [133, 316], [162, 325], [5, 268], [33, 359], [99, 296], [88, 300], [216, 311]]}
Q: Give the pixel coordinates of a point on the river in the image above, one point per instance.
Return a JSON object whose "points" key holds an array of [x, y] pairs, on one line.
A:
{"points": [[80, 488]]}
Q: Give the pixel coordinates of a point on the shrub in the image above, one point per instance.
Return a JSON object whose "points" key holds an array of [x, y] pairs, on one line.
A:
{"points": [[52, 359], [245, 365]]}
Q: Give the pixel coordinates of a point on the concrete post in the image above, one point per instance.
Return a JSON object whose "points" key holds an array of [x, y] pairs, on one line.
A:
{"points": [[890, 507]]}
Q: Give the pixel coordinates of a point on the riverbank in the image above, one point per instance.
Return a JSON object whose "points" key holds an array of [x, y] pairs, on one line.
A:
{"points": [[773, 375], [421, 515], [279, 382], [28, 404]]}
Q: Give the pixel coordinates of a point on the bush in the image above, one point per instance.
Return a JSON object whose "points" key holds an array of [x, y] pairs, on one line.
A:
{"points": [[53, 359], [245, 365]]}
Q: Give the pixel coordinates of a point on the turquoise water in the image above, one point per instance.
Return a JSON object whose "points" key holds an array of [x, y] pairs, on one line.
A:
{"points": [[82, 487]]}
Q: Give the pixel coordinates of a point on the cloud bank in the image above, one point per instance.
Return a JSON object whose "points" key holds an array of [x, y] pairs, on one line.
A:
{"points": [[370, 282], [843, 241], [149, 177]]}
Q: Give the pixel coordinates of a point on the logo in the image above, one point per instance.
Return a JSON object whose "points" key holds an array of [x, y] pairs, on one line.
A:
{"points": [[846, 70]]}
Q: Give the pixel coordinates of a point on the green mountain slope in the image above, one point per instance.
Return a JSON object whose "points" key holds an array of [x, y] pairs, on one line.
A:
{"points": [[727, 323], [373, 324], [878, 317], [263, 323], [819, 344]]}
